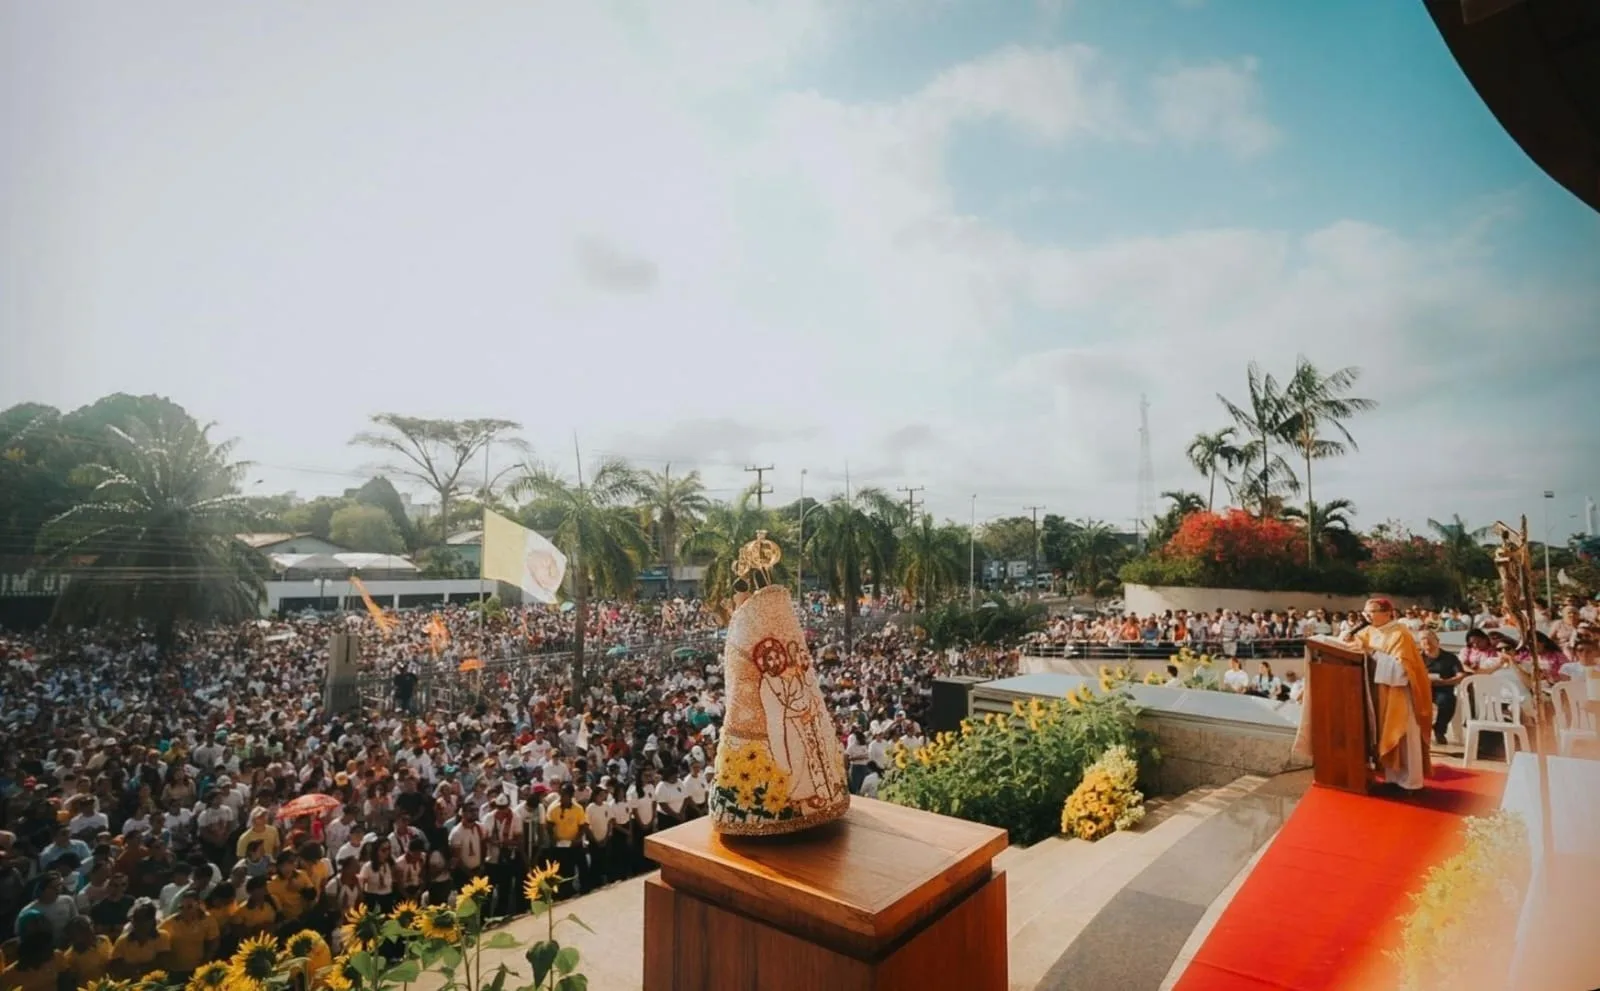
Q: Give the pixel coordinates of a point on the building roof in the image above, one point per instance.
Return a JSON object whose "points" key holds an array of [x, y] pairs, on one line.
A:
{"points": [[342, 562], [1536, 65], [465, 537], [260, 540]]}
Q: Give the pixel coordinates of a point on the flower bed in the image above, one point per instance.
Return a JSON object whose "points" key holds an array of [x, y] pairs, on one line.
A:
{"points": [[1015, 771]]}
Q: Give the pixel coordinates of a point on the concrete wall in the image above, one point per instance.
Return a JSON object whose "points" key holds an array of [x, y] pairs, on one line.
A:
{"points": [[1141, 668], [1145, 599]]}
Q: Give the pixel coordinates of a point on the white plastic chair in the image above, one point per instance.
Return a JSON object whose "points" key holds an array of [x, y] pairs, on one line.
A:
{"points": [[1573, 723], [1492, 709]]}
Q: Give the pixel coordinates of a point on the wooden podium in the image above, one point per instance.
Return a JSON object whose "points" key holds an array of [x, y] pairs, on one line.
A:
{"points": [[1337, 697], [886, 898]]}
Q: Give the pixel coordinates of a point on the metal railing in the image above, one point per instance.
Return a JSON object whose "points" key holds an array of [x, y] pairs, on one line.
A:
{"points": [[1162, 649]]}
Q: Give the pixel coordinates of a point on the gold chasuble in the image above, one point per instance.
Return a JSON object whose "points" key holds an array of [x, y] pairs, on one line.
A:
{"points": [[1393, 714]]}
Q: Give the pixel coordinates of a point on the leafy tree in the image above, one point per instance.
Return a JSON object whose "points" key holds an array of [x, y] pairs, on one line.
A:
{"points": [[154, 540], [717, 539], [1095, 551], [1261, 418], [842, 545], [598, 529], [1008, 539], [1313, 401], [932, 560], [365, 528], [1164, 526], [996, 621], [1463, 553], [668, 508], [442, 562], [889, 520], [1212, 455], [34, 475], [380, 492], [438, 454], [314, 517], [1329, 525]]}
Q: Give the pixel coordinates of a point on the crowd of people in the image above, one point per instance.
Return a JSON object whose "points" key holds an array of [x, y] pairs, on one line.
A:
{"points": [[149, 818]]}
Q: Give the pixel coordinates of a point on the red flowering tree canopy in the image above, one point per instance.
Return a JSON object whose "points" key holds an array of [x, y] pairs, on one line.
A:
{"points": [[1238, 540]]}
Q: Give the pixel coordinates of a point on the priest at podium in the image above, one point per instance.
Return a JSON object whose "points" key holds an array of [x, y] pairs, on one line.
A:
{"points": [[1402, 696]]}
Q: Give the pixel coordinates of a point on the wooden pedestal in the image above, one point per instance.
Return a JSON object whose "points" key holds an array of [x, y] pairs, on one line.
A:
{"points": [[886, 898], [1336, 695]]}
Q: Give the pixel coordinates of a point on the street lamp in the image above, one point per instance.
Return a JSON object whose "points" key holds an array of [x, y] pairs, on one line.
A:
{"points": [[972, 555], [1549, 588]]}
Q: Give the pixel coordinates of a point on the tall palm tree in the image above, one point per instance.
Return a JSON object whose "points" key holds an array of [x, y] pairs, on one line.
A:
{"points": [[1313, 401], [932, 560], [890, 521], [1261, 418], [1329, 523], [155, 538], [1095, 550], [843, 545], [1465, 556], [1214, 454], [1164, 526], [597, 527], [715, 541], [669, 508]]}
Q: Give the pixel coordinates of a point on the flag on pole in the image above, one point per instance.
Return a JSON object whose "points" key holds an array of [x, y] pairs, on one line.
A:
{"points": [[378, 615], [518, 556]]}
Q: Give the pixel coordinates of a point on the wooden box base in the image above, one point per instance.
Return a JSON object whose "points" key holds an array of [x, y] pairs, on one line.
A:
{"points": [[692, 944]]}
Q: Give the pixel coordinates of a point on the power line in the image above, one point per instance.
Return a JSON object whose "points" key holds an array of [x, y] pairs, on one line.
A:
{"points": [[761, 477], [1033, 568], [911, 500]]}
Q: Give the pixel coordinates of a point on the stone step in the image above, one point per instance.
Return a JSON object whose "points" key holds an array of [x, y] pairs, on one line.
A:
{"points": [[1046, 916]]}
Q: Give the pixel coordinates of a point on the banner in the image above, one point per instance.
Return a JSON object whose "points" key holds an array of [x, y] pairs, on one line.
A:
{"points": [[518, 556], [378, 616], [438, 635]]}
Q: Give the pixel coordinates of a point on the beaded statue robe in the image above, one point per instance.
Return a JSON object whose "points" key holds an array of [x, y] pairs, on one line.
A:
{"points": [[780, 768]]}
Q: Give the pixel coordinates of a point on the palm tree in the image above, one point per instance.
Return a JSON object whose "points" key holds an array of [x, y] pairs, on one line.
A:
{"points": [[1465, 557], [1094, 550], [1164, 526], [669, 508], [598, 529], [1313, 401], [1213, 454], [932, 560], [1262, 420], [717, 538], [1330, 523], [155, 538], [843, 545], [890, 520]]}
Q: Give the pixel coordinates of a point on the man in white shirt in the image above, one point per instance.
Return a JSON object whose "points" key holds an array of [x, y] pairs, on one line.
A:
{"points": [[504, 836], [598, 834], [670, 798], [642, 800], [696, 789], [467, 846]]}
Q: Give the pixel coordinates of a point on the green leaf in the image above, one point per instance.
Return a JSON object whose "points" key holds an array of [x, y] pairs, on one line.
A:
{"points": [[450, 957], [366, 965], [567, 959], [466, 908], [500, 975], [501, 941], [403, 973], [542, 956], [573, 982], [538, 908]]}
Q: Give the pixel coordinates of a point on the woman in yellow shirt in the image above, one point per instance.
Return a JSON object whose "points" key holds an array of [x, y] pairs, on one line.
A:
{"points": [[194, 936], [289, 887], [261, 828], [142, 946], [38, 966], [221, 903], [256, 914], [88, 955]]}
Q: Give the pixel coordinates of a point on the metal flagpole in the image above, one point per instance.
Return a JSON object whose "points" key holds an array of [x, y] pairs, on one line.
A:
{"points": [[483, 633], [972, 555]]}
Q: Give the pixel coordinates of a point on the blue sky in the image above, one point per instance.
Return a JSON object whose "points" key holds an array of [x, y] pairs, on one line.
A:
{"points": [[935, 242]]}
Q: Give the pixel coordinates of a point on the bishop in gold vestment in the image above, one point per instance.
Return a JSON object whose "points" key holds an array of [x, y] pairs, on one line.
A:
{"points": [[1404, 712]]}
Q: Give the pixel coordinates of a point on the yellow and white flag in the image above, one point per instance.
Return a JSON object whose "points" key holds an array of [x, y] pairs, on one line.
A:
{"points": [[518, 556]]}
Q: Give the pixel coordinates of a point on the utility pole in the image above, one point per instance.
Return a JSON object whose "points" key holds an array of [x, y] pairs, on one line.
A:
{"points": [[972, 555], [761, 478], [1549, 587], [1033, 568], [911, 501]]}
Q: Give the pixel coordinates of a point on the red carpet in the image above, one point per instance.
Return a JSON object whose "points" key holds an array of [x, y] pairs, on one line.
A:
{"points": [[1324, 902]]}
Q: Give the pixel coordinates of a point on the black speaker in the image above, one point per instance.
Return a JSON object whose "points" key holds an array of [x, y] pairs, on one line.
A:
{"points": [[339, 691], [951, 703]]}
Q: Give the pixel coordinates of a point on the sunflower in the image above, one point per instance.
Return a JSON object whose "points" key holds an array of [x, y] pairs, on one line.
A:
{"points": [[405, 915], [302, 944], [150, 981], [438, 922], [209, 977], [539, 879], [362, 928], [107, 984], [254, 963], [338, 976], [475, 887]]}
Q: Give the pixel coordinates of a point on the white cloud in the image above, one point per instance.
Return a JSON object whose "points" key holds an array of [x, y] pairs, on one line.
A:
{"points": [[1217, 102]]}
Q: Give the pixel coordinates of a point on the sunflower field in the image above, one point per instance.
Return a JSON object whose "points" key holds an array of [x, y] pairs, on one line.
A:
{"points": [[1015, 771]]}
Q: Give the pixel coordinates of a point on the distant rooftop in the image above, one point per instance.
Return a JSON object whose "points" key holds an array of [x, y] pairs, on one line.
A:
{"points": [[260, 540]]}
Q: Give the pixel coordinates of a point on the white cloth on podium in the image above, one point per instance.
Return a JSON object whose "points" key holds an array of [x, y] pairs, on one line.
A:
{"points": [[1387, 670]]}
